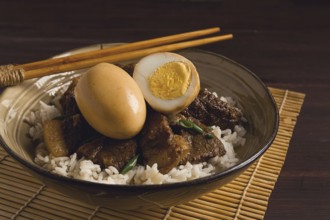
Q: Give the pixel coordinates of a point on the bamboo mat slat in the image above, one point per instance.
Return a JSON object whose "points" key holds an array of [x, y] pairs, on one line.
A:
{"points": [[24, 197]]}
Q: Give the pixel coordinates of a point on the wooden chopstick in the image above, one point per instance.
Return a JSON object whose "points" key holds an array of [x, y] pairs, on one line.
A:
{"points": [[119, 49], [14, 74], [36, 73]]}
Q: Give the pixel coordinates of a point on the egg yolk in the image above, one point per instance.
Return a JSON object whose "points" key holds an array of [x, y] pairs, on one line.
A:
{"points": [[170, 81]]}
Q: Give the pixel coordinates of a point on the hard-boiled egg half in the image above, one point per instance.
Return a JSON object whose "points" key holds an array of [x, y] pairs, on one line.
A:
{"points": [[111, 101], [168, 81]]}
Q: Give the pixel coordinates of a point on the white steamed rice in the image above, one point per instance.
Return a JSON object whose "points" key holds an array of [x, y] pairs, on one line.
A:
{"points": [[87, 170]]}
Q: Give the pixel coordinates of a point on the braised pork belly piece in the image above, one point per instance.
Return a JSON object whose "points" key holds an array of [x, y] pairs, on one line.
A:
{"points": [[211, 110]]}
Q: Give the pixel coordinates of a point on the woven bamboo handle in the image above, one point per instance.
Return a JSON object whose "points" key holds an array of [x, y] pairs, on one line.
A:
{"points": [[9, 75]]}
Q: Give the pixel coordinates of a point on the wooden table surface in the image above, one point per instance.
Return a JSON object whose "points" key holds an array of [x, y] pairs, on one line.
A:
{"points": [[286, 43]]}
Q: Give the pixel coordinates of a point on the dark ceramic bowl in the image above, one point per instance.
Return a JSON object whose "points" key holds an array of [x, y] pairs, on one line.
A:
{"points": [[218, 73]]}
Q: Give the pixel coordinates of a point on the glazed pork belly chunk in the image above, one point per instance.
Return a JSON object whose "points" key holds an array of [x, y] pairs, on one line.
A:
{"points": [[64, 135], [211, 110], [108, 152], [68, 100], [160, 145], [166, 143], [202, 147]]}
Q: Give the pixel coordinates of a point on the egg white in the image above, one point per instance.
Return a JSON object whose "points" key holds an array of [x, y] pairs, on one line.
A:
{"points": [[147, 66]]}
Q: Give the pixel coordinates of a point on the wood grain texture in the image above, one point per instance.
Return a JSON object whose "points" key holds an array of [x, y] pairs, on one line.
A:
{"points": [[286, 43]]}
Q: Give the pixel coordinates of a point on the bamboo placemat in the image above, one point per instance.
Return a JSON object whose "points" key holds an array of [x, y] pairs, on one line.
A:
{"points": [[24, 197]]}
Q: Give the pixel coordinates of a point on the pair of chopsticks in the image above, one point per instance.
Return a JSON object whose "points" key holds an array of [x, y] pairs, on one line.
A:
{"points": [[14, 74]]}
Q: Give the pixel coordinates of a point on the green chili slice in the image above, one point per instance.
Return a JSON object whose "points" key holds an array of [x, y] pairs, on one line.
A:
{"points": [[191, 125], [62, 117], [130, 164], [194, 127], [185, 123], [209, 135]]}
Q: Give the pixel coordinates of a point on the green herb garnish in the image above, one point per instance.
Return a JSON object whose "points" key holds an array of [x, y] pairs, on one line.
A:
{"points": [[191, 125], [62, 117], [209, 135], [130, 164], [194, 127]]}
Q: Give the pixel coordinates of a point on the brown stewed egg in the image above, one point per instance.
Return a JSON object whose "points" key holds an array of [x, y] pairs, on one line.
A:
{"points": [[111, 101], [168, 81]]}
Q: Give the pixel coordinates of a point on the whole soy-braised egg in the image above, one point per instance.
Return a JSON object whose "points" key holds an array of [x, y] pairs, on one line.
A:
{"points": [[168, 81], [111, 101]]}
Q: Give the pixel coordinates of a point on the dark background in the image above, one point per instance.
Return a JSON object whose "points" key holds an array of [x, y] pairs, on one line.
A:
{"points": [[286, 43]]}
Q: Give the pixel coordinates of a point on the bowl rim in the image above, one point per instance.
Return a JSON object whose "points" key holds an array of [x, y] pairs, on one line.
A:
{"points": [[198, 181]]}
